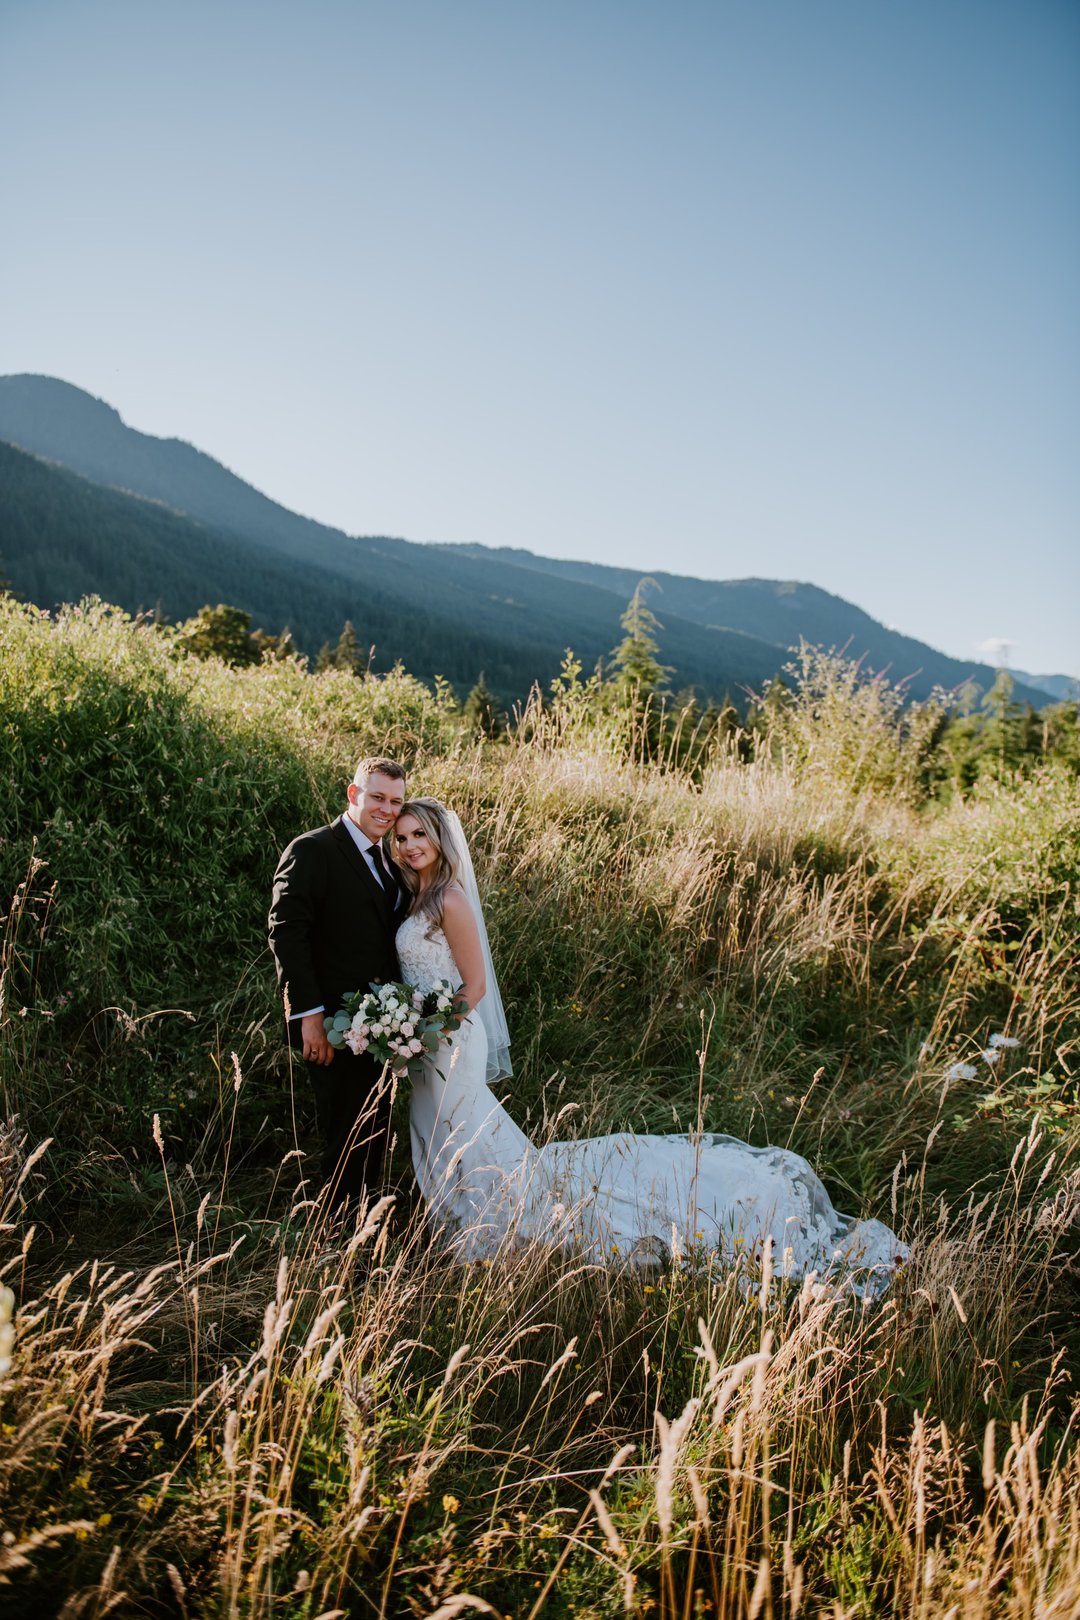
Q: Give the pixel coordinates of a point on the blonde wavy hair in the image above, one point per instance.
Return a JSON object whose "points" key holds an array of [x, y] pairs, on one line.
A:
{"points": [[432, 816]]}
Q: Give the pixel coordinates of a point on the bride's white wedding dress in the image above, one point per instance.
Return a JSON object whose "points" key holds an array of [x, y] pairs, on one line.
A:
{"points": [[625, 1197]]}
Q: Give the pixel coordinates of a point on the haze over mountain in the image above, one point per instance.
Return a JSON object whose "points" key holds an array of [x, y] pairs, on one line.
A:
{"points": [[150, 522]]}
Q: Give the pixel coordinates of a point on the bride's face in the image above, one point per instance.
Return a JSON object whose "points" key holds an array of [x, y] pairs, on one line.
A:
{"points": [[413, 847]]}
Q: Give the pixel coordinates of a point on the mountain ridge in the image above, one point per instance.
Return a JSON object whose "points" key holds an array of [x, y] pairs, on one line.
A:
{"points": [[719, 635], [56, 523]]}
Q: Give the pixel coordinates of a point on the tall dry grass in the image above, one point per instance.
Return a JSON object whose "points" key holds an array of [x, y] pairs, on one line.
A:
{"points": [[214, 1405], [357, 1426]]}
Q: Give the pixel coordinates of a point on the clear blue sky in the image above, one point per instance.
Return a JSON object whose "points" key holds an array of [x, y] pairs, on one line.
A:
{"points": [[774, 287]]}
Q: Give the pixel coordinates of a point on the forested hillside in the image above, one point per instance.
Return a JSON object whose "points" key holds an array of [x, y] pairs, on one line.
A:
{"points": [[63, 537], [787, 612], [469, 609]]}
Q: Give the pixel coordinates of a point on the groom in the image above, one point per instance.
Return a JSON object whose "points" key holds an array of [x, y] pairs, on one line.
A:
{"points": [[336, 904]]}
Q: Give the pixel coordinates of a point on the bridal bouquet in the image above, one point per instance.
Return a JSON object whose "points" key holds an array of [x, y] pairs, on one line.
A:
{"points": [[396, 1023]]}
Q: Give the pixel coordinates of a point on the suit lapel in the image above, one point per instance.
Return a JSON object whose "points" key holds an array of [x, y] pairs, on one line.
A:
{"points": [[347, 843]]}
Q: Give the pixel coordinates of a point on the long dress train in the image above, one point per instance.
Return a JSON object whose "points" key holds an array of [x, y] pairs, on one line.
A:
{"points": [[623, 1197]]}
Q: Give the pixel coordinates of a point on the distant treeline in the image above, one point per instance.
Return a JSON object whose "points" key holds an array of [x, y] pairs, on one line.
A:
{"points": [[63, 537]]}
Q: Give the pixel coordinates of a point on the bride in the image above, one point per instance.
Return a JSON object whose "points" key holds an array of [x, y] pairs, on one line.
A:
{"points": [[624, 1197]]}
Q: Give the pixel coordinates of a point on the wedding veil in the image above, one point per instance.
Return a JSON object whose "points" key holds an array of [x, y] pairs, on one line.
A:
{"points": [[490, 1010]]}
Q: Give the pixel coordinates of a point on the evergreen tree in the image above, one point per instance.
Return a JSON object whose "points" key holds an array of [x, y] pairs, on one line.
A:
{"points": [[1061, 732], [275, 648], [1000, 728], [637, 669], [347, 654], [481, 711]]}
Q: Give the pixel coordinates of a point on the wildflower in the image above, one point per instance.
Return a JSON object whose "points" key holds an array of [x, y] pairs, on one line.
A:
{"points": [[991, 1055], [649, 1289], [547, 1532], [450, 1503], [961, 1071], [1009, 1041]]}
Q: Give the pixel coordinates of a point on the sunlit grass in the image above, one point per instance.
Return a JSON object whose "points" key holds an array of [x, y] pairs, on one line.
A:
{"points": [[217, 1406]]}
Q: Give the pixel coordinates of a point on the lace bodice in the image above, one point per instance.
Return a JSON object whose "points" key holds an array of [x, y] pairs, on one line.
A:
{"points": [[425, 960]]}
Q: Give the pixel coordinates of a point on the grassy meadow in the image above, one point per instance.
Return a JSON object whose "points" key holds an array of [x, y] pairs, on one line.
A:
{"points": [[211, 1406]]}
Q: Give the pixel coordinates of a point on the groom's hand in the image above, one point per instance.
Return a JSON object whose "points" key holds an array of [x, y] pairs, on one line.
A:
{"points": [[317, 1048]]}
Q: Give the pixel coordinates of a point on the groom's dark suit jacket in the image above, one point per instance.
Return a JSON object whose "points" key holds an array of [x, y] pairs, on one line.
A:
{"points": [[331, 925]]}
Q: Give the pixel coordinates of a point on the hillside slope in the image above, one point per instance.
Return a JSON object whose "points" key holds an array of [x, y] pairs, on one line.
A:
{"points": [[456, 609], [63, 537], [783, 611]]}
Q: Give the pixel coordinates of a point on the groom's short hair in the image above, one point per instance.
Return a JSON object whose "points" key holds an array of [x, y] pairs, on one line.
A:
{"points": [[381, 767]]}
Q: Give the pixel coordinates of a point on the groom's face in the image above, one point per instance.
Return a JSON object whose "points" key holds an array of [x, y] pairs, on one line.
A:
{"points": [[376, 804]]}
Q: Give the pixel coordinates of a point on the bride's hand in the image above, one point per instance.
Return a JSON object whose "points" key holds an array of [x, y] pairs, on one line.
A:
{"points": [[459, 1011]]}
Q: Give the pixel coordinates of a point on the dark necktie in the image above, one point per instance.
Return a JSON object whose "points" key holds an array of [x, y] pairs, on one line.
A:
{"points": [[383, 876]]}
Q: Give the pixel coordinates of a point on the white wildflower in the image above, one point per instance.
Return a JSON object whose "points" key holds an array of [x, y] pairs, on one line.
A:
{"points": [[1009, 1041], [991, 1055], [961, 1071]]}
